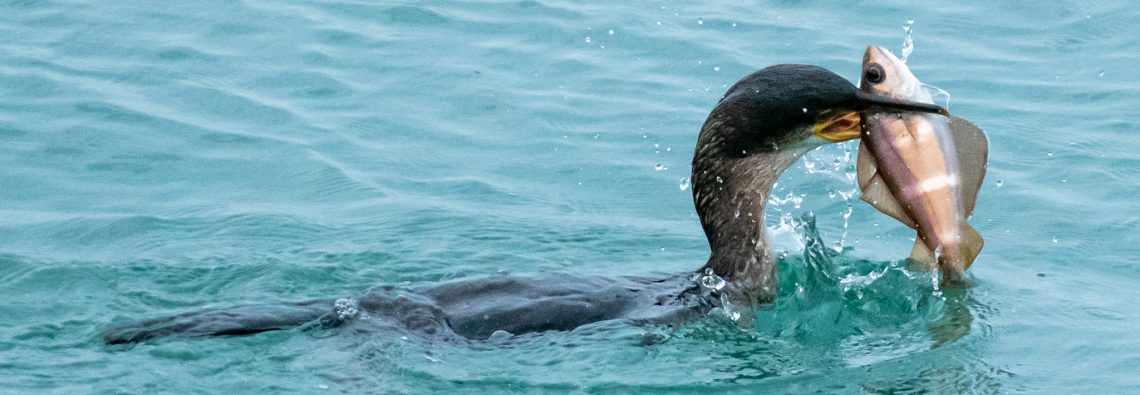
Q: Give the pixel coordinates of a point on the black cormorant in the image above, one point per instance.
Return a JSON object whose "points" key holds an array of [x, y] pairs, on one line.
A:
{"points": [[757, 130]]}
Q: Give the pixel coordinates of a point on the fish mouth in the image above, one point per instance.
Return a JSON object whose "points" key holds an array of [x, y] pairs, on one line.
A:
{"points": [[877, 54]]}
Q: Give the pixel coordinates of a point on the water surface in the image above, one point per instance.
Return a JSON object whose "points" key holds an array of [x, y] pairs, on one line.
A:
{"points": [[155, 160]]}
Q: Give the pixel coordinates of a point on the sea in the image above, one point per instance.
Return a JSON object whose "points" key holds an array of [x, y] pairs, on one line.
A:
{"points": [[158, 158]]}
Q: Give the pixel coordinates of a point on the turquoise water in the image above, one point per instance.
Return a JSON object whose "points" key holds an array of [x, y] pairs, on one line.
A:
{"points": [[161, 159]]}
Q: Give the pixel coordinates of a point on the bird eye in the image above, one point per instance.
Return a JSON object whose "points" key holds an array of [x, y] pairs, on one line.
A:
{"points": [[874, 73]]}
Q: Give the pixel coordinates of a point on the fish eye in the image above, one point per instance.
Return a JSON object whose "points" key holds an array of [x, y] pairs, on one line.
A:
{"points": [[874, 73]]}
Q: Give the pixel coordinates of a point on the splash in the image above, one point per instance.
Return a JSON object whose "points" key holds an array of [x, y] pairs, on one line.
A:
{"points": [[937, 95], [818, 280], [828, 165], [346, 308], [859, 311], [711, 283], [908, 42]]}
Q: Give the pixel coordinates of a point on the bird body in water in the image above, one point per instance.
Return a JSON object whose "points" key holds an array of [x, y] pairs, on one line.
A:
{"points": [[762, 125]]}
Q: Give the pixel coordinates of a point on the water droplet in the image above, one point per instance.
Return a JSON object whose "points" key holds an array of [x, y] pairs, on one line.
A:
{"points": [[588, 39], [668, 148], [684, 183], [658, 23], [719, 180], [908, 42], [1101, 73], [611, 32], [1054, 239], [804, 110], [660, 167], [737, 215], [500, 335], [1049, 154], [712, 281], [716, 68], [733, 24], [700, 21], [1000, 183]]}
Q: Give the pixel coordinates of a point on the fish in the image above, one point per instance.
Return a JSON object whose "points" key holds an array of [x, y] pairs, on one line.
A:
{"points": [[922, 169]]}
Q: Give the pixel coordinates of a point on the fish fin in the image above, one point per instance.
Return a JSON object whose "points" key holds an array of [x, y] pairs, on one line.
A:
{"points": [[972, 148], [865, 166], [922, 254], [874, 190], [971, 245]]}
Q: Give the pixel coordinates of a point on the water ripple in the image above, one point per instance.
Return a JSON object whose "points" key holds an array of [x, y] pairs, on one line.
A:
{"points": [[162, 159]]}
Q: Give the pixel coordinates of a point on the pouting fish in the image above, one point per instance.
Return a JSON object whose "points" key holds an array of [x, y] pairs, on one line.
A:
{"points": [[921, 169]]}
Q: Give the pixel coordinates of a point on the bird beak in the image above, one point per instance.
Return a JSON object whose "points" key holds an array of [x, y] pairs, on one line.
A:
{"points": [[872, 102], [838, 126], [842, 125]]}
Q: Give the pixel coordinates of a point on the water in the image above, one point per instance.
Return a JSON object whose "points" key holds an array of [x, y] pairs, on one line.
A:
{"points": [[908, 41], [198, 155]]}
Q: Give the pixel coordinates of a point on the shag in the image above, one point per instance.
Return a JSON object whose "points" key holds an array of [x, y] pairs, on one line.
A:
{"points": [[762, 125]]}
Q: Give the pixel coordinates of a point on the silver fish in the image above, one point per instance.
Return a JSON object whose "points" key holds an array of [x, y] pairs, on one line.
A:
{"points": [[921, 169]]}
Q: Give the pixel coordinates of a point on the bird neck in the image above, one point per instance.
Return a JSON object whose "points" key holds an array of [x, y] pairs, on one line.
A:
{"points": [[730, 190]]}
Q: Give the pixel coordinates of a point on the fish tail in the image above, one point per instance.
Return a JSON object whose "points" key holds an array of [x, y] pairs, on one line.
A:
{"points": [[971, 245], [922, 254]]}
